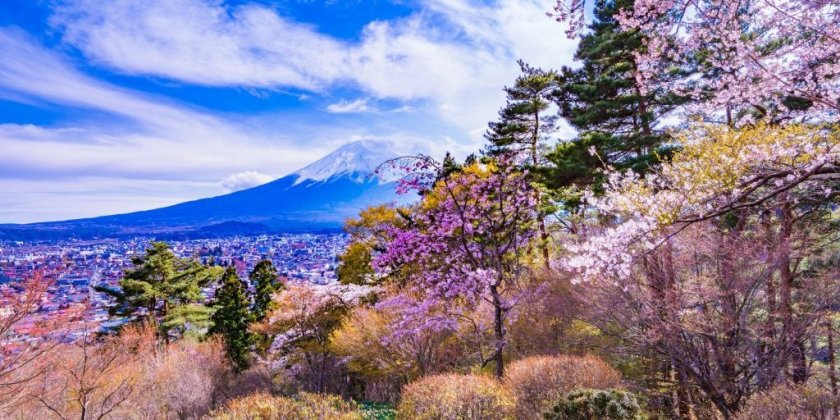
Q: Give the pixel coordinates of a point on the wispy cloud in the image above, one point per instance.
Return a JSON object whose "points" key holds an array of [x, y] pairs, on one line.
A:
{"points": [[454, 54], [346, 107], [145, 136]]}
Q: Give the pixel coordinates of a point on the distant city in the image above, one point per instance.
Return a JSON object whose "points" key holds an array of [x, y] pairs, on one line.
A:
{"points": [[77, 267]]}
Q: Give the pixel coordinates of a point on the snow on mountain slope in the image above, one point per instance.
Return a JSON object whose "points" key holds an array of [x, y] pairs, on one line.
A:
{"points": [[357, 159]]}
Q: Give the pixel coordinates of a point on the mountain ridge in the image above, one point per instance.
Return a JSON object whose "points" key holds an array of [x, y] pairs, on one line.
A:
{"points": [[315, 198]]}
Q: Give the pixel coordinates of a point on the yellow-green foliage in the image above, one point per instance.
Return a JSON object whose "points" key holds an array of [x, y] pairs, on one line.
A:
{"points": [[718, 161], [305, 406], [539, 382], [355, 264], [455, 397]]}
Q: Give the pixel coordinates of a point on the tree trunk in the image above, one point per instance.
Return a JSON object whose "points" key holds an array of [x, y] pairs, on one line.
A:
{"points": [[543, 236], [163, 314], [832, 364], [321, 372], [535, 160], [646, 130], [499, 330], [791, 337]]}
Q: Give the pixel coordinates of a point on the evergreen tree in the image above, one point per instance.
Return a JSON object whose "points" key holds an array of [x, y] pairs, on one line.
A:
{"points": [[164, 290], [232, 318], [524, 124], [448, 167], [525, 121], [264, 279], [616, 119]]}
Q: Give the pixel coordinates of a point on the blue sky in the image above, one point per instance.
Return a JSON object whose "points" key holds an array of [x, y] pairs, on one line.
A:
{"points": [[122, 105]]}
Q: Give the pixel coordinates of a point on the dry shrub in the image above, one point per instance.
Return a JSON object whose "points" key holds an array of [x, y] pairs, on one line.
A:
{"points": [[790, 402], [259, 377], [87, 378], [539, 382], [185, 381], [305, 406], [452, 396]]}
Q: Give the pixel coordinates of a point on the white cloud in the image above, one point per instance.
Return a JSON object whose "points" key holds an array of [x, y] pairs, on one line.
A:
{"points": [[455, 54], [244, 180], [150, 136], [345, 107]]}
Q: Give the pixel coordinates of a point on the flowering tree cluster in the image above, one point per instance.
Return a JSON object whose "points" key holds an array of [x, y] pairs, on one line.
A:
{"points": [[467, 240], [717, 259], [720, 170], [771, 56], [304, 317]]}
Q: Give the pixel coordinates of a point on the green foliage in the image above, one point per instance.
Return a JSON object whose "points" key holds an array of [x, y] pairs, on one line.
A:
{"points": [[189, 320], [166, 289], [591, 404], [378, 411], [524, 122], [367, 237], [604, 102], [232, 318], [355, 264], [266, 284], [264, 278]]}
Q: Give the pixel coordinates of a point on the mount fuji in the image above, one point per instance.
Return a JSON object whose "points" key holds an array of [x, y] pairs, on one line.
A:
{"points": [[316, 198]]}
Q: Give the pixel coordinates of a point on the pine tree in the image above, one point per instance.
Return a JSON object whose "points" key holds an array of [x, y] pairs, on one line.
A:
{"points": [[616, 121], [524, 124], [526, 121], [264, 279], [232, 318], [164, 290], [448, 167]]}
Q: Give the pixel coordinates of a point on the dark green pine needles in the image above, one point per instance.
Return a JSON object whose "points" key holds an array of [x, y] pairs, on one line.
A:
{"points": [[232, 318], [618, 122]]}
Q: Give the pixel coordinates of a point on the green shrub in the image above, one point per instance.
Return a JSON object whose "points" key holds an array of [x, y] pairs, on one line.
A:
{"points": [[378, 411], [455, 397], [591, 404], [539, 382], [305, 406]]}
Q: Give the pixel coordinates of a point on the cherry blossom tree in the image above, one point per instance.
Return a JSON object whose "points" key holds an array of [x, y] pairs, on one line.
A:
{"points": [[718, 259], [775, 58], [467, 242], [720, 170], [304, 317]]}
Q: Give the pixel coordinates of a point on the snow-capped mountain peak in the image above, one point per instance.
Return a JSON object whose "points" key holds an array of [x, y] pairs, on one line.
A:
{"points": [[357, 159]]}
